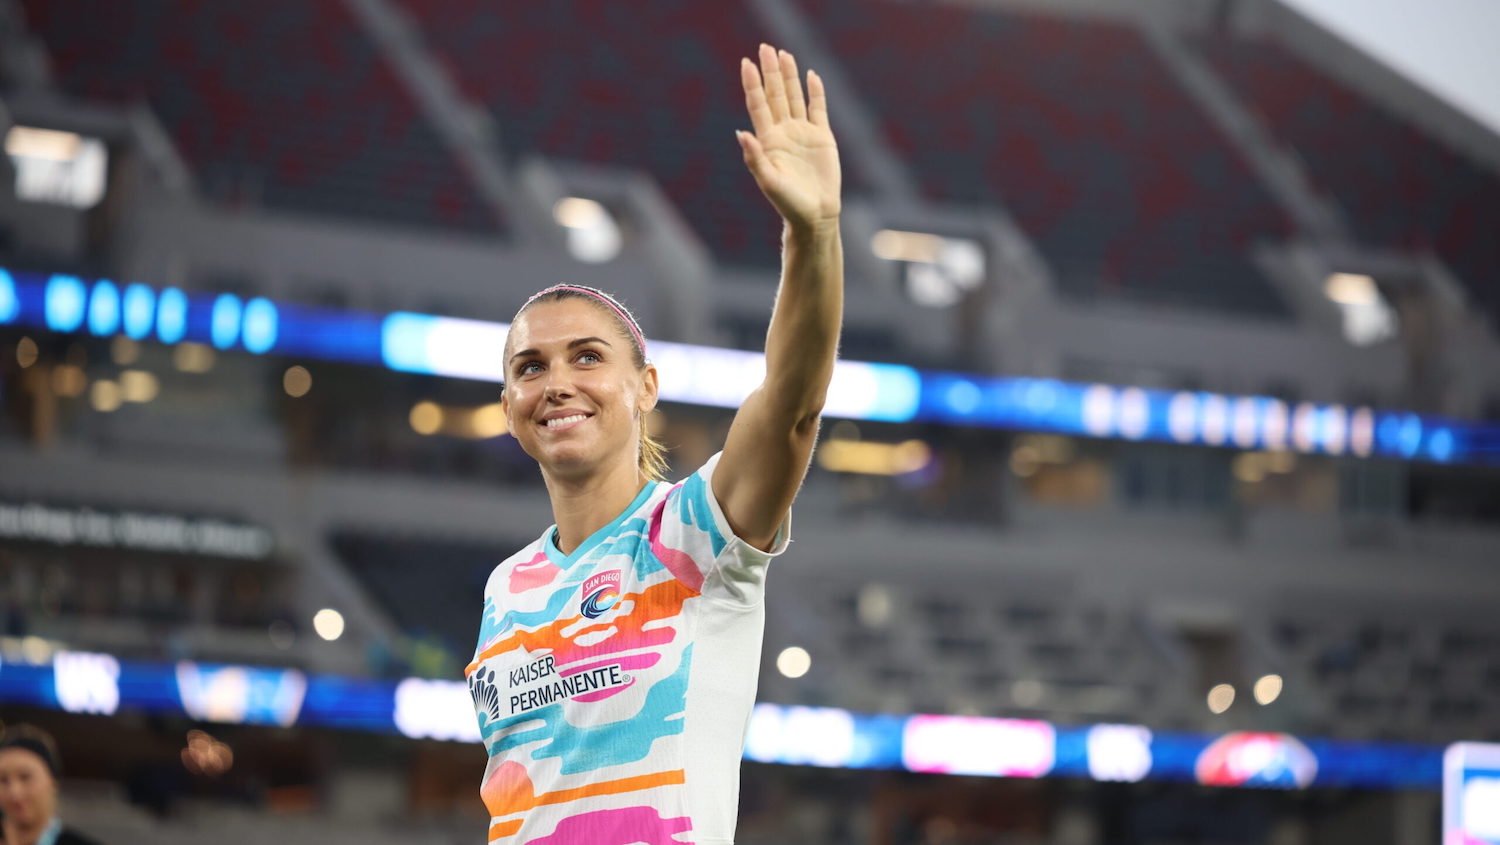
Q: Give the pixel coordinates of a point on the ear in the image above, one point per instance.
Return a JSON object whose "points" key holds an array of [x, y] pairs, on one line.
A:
{"points": [[646, 402], [510, 428]]}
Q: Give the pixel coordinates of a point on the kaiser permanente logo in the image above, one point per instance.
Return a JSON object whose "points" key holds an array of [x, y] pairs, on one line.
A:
{"points": [[537, 684], [600, 592]]}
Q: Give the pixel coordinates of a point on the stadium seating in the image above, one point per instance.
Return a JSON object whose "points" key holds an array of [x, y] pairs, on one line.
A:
{"points": [[1079, 131], [980, 652], [302, 114], [1399, 186], [1396, 678], [400, 573], [552, 74]]}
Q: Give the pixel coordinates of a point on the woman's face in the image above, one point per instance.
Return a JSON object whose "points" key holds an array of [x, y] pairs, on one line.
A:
{"points": [[573, 396], [28, 793]]}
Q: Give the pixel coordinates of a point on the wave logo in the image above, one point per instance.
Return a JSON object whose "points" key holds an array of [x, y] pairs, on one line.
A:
{"points": [[600, 593], [1257, 759]]}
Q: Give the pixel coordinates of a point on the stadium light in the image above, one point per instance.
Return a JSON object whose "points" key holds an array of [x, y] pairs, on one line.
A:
{"points": [[1267, 689], [863, 457], [939, 270], [62, 168], [296, 381], [329, 624], [1368, 318], [1220, 698], [793, 662], [593, 234]]}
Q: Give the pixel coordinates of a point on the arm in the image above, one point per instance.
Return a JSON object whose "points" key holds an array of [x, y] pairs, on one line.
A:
{"points": [[795, 162]]}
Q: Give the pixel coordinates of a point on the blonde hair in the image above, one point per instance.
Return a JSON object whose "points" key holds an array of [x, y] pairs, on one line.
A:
{"points": [[652, 458]]}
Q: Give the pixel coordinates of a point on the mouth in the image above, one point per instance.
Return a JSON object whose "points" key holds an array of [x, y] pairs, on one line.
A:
{"points": [[565, 423]]}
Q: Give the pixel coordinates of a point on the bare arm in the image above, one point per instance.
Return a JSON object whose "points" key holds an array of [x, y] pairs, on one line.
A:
{"points": [[794, 160]]}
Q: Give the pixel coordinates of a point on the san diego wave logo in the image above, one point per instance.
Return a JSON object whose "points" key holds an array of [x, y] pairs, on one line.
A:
{"points": [[600, 593]]}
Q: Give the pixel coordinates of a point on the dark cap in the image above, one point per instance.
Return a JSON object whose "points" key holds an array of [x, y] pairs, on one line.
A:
{"points": [[35, 740]]}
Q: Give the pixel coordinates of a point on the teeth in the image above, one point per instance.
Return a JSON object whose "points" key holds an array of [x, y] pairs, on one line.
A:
{"points": [[566, 420]]}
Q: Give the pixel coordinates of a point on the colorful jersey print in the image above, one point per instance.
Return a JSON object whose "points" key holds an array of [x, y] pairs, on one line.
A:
{"points": [[613, 685]]}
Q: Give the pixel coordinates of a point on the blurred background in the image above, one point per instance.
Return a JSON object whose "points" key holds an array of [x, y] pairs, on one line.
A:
{"points": [[1159, 496]]}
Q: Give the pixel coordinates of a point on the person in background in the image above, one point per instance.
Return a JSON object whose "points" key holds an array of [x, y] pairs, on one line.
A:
{"points": [[29, 775]]}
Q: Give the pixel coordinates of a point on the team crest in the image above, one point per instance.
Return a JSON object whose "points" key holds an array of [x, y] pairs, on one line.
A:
{"points": [[600, 593]]}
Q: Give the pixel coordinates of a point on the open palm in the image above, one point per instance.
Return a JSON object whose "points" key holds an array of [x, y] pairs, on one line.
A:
{"points": [[791, 153]]}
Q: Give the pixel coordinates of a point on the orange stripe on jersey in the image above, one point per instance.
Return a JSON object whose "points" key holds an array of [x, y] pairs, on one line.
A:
{"points": [[521, 800], [500, 830], [659, 601]]}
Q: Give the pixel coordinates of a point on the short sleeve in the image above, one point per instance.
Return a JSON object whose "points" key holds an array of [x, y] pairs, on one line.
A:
{"points": [[693, 539]]}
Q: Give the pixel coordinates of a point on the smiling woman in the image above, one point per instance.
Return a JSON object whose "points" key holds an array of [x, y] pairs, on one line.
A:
{"points": [[618, 654]]}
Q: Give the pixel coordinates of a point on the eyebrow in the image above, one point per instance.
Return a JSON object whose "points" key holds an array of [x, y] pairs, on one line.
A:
{"points": [[572, 344]]}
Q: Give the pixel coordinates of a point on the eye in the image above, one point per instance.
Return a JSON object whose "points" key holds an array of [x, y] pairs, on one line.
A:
{"points": [[589, 357], [528, 368]]}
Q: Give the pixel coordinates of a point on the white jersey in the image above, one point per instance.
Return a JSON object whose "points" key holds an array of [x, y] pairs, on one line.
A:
{"points": [[613, 685]]}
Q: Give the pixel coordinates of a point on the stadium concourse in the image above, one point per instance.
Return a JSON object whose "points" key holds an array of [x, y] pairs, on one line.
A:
{"points": [[1158, 495]]}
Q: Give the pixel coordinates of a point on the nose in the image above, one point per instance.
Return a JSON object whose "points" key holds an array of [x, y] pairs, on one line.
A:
{"points": [[559, 384]]}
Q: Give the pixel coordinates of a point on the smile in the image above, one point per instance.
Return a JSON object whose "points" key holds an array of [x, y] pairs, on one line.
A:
{"points": [[560, 423]]}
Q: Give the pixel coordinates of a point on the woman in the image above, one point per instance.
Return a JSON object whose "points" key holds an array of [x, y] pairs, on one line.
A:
{"points": [[618, 654], [29, 774]]}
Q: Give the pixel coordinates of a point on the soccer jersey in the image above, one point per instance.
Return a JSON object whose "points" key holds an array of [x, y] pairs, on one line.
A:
{"points": [[613, 685]]}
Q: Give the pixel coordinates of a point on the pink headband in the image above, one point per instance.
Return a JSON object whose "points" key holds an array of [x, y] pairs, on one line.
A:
{"points": [[598, 296]]}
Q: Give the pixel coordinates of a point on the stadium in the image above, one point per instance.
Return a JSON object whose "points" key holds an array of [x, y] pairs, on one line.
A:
{"points": [[1157, 494]]}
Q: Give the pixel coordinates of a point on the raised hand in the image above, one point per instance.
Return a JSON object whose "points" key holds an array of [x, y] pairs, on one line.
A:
{"points": [[791, 153]]}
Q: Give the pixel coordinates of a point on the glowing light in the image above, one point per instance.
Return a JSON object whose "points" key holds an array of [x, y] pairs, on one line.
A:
{"points": [[793, 661], [260, 326], [105, 396], [1440, 445], [1274, 426], [1246, 419], [86, 683], [1351, 289], [443, 346], [137, 386], [26, 352], [1267, 689], [193, 358], [296, 381], [866, 457], [138, 310], [1249, 467], [171, 315], [435, 710], [1335, 429], [1215, 419], [964, 397], [10, 300], [487, 421], [1120, 753], [1182, 417], [65, 302], [69, 380], [46, 144], [1362, 432], [426, 418], [799, 736], [1099, 410], [104, 309], [1220, 698], [966, 745], [329, 624], [1135, 413], [224, 322], [1410, 436], [896, 245], [1304, 427]]}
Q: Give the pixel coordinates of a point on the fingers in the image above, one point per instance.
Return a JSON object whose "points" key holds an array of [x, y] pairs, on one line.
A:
{"points": [[796, 107], [755, 156], [755, 97], [770, 71], [817, 99]]}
